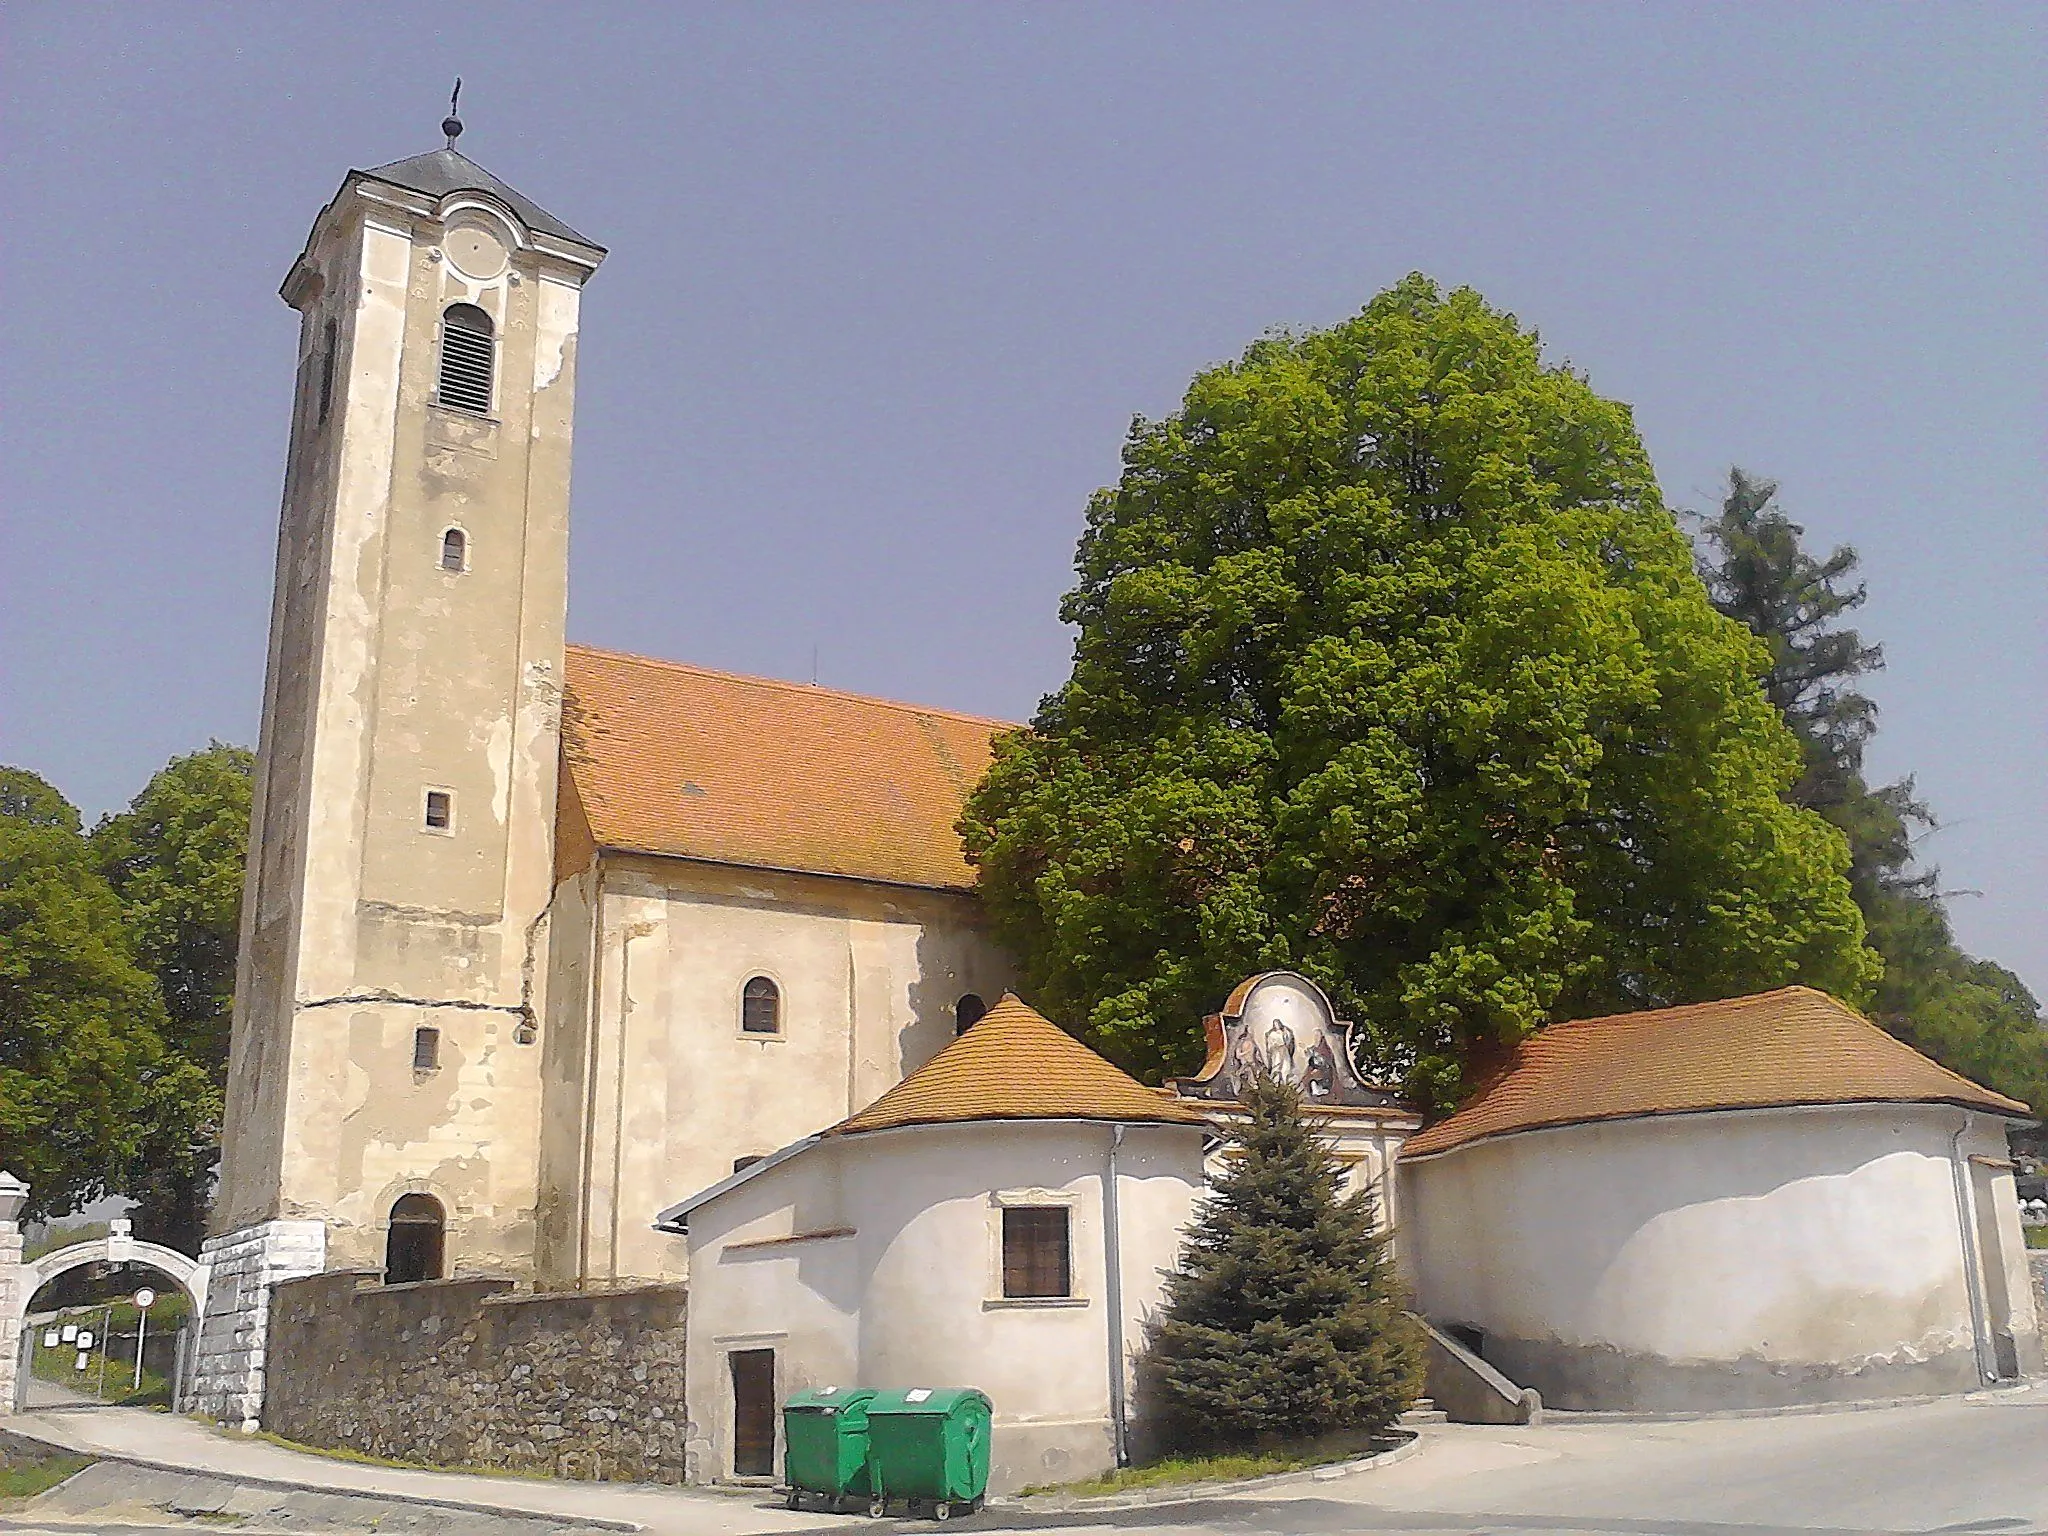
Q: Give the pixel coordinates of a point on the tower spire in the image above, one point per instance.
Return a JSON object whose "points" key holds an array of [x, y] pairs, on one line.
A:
{"points": [[451, 125]]}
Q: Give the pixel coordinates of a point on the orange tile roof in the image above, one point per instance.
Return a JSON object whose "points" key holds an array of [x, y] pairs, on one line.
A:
{"points": [[670, 759], [1791, 1046], [1015, 1064]]}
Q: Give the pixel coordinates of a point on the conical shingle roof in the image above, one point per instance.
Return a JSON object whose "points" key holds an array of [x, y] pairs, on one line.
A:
{"points": [[1016, 1064], [1791, 1047]]}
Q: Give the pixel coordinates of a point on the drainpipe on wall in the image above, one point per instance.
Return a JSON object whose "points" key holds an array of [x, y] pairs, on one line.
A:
{"points": [[1973, 1279], [1113, 1298]]}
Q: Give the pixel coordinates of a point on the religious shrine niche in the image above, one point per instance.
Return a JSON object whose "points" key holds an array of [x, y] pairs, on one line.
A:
{"points": [[1281, 1025]]}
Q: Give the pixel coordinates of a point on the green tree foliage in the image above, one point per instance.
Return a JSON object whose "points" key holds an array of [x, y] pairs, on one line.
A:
{"points": [[1971, 1015], [1394, 669], [88, 1089], [175, 859], [1284, 1321]]}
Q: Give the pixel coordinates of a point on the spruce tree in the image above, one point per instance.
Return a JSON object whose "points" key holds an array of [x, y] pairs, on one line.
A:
{"points": [[1284, 1322]]}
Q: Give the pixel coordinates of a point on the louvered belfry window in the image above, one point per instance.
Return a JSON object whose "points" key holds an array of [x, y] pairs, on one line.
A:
{"points": [[468, 346], [1035, 1252]]}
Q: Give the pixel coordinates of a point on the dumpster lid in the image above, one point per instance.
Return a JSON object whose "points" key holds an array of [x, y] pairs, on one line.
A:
{"points": [[936, 1400], [826, 1399]]}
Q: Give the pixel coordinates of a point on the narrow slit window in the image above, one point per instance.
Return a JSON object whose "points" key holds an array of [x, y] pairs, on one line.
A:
{"points": [[440, 810], [761, 1008], [468, 358], [967, 1013], [454, 550], [1036, 1258], [327, 344], [426, 1049]]}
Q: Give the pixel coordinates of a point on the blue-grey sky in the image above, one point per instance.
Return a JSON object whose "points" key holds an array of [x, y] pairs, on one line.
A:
{"points": [[888, 282]]}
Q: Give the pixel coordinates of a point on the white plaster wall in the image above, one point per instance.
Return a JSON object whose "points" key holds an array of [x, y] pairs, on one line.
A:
{"points": [[1809, 1236], [669, 1091], [913, 1295]]}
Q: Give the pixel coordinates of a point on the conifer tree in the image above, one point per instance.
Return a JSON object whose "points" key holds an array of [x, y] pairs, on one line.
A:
{"points": [[1284, 1322]]}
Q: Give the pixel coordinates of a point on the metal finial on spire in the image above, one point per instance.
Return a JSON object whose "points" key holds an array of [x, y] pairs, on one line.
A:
{"points": [[451, 124]]}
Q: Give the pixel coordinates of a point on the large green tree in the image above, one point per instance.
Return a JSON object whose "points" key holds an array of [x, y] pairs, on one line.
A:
{"points": [[175, 859], [1971, 1015], [1393, 667], [89, 1091]]}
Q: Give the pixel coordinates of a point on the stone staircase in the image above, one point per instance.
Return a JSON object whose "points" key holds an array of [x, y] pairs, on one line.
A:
{"points": [[1424, 1411]]}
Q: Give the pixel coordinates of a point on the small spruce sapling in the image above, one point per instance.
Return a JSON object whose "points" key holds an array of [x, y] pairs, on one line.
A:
{"points": [[1284, 1323]]}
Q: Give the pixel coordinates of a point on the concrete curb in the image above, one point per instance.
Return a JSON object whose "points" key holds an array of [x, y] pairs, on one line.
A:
{"points": [[1566, 1417], [329, 1490], [1198, 1493]]}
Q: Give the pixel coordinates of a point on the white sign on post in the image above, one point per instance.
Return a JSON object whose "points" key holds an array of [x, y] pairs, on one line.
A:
{"points": [[145, 1298], [51, 1339], [70, 1332], [84, 1339], [82, 1358]]}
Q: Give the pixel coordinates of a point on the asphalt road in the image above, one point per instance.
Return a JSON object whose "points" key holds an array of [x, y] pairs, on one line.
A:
{"points": [[1973, 1466]]}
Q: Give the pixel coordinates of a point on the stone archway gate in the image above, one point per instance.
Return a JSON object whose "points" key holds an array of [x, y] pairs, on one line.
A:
{"points": [[19, 1281]]}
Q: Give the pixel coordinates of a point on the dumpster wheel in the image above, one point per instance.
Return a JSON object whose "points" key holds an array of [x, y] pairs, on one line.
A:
{"points": [[795, 1499], [878, 1506], [942, 1510]]}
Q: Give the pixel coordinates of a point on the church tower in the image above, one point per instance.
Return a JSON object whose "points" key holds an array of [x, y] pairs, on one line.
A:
{"points": [[384, 1078]]}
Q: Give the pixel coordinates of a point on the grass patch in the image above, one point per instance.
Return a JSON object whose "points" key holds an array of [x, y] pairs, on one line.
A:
{"points": [[23, 1477], [366, 1459], [1230, 1468], [2037, 1237]]}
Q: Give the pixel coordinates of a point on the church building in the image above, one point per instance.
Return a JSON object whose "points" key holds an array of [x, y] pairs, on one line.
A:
{"points": [[533, 934]]}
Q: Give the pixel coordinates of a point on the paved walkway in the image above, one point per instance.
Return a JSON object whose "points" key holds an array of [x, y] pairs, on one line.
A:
{"points": [[190, 1446]]}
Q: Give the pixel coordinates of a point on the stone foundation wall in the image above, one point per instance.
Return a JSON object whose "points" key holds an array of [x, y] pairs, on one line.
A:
{"points": [[469, 1373]]}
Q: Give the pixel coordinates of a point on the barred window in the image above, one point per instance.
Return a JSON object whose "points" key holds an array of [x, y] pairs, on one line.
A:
{"points": [[426, 1049], [440, 810], [761, 1007], [454, 550], [468, 352], [1036, 1260]]}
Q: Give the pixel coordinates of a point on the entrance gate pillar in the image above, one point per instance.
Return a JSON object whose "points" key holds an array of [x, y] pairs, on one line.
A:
{"points": [[14, 1285]]}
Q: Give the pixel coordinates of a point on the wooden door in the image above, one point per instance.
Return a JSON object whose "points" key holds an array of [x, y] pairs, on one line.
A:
{"points": [[753, 1412]]}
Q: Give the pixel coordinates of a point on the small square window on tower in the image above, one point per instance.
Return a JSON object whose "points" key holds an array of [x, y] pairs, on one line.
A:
{"points": [[426, 1049], [440, 810]]}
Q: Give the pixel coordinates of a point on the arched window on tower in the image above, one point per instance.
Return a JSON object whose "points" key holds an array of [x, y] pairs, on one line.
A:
{"points": [[414, 1249], [761, 1007], [468, 348], [967, 1013], [454, 550]]}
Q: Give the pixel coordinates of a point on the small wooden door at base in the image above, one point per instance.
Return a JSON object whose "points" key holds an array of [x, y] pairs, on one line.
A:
{"points": [[753, 1412]]}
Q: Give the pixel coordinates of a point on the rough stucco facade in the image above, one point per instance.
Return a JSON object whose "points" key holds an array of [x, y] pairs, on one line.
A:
{"points": [[876, 1259], [1740, 1259], [650, 1083], [575, 960]]}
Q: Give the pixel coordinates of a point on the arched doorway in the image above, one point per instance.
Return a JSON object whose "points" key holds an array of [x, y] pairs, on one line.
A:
{"points": [[416, 1245], [21, 1349]]}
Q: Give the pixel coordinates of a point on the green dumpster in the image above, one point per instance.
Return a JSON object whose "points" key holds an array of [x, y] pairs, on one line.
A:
{"points": [[929, 1445], [825, 1443]]}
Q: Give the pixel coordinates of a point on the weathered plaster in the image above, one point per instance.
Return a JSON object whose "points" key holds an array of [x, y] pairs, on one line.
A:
{"points": [[651, 1085], [877, 1259], [390, 675], [1752, 1257]]}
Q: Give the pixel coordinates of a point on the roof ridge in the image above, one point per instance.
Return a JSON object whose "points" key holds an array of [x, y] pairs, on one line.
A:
{"points": [[809, 690]]}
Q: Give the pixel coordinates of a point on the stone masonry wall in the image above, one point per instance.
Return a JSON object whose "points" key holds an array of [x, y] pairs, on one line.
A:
{"points": [[469, 1373], [228, 1367]]}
